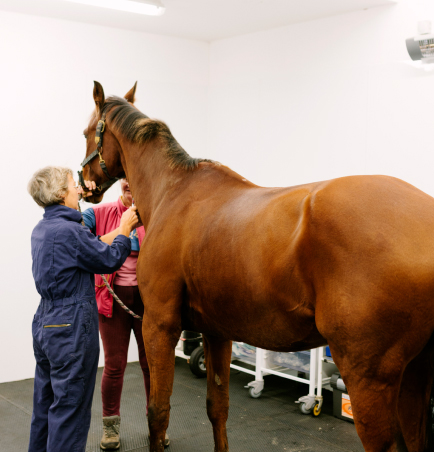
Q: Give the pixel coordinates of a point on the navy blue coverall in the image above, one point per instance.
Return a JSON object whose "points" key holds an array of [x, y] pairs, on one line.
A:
{"points": [[65, 328]]}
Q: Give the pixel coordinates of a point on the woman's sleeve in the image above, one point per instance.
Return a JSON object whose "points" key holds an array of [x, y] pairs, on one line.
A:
{"points": [[89, 219], [95, 256]]}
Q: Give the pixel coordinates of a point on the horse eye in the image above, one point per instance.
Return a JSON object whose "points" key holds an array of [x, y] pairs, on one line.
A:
{"points": [[85, 136]]}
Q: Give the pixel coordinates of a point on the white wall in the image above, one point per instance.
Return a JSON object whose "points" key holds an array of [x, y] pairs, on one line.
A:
{"points": [[301, 103], [47, 72], [324, 99]]}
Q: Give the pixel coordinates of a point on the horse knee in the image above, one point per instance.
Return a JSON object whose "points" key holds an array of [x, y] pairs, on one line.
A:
{"points": [[157, 415], [217, 412]]}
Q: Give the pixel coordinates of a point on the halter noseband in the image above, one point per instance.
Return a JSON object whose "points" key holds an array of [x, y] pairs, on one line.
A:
{"points": [[97, 152]]}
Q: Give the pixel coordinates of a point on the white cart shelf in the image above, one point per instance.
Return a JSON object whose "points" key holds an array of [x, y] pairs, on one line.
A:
{"points": [[179, 350]]}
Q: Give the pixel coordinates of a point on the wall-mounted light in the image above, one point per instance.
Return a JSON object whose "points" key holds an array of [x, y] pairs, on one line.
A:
{"points": [[421, 47], [148, 7]]}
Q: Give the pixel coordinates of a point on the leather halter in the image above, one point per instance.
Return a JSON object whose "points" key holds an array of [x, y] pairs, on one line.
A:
{"points": [[97, 152]]}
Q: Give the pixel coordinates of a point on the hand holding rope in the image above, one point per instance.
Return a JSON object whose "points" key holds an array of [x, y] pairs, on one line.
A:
{"points": [[115, 297]]}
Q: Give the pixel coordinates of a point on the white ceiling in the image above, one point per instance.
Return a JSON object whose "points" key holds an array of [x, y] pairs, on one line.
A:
{"points": [[206, 20]]}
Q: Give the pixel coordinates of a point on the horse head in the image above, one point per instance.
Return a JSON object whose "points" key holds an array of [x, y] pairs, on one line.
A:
{"points": [[103, 164]]}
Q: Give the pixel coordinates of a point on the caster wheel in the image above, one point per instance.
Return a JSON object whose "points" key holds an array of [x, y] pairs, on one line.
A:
{"points": [[253, 394], [303, 409], [197, 362], [316, 410]]}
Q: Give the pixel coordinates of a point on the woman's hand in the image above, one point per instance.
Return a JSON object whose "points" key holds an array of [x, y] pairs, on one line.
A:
{"points": [[129, 221], [90, 185]]}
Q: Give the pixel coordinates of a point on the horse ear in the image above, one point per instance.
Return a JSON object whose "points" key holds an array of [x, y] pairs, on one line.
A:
{"points": [[131, 95], [98, 96]]}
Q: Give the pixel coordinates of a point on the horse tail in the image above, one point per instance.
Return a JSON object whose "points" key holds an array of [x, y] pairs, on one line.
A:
{"points": [[416, 400], [429, 435], [430, 423], [430, 418]]}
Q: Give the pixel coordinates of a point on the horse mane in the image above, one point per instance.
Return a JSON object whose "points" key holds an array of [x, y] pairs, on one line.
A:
{"points": [[139, 128]]}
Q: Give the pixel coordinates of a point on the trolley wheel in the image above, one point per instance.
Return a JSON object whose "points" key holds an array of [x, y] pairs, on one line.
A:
{"points": [[316, 410], [303, 408], [197, 362], [253, 394]]}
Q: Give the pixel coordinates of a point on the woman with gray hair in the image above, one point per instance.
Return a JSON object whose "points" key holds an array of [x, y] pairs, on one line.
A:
{"points": [[65, 327]]}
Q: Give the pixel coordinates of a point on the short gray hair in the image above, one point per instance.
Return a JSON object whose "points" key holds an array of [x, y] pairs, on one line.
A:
{"points": [[49, 185]]}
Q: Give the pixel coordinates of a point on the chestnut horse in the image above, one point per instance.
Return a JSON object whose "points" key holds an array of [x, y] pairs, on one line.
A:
{"points": [[348, 262]]}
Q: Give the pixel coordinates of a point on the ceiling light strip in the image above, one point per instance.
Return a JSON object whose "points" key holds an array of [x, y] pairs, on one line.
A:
{"points": [[153, 8]]}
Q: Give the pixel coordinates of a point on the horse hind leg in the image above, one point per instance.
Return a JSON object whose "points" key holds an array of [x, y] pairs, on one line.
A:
{"points": [[373, 384], [218, 359], [414, 404]]}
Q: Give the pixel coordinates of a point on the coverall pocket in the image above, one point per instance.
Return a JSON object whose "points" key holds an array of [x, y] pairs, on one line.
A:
{"points": [[57, 341], [75, 391]]}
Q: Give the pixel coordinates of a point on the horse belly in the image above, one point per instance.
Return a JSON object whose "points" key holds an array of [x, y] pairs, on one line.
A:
{"points": [[265, 323]]}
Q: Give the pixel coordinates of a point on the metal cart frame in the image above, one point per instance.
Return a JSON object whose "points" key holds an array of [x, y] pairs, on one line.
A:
{"points": [[310, 403]]}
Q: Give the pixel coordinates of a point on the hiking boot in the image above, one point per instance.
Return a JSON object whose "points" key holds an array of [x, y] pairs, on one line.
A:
{"points": [[110, 438], [166, 440]]}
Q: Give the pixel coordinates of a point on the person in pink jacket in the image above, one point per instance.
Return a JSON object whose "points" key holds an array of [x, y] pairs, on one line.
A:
{"points": [[115, 324]]}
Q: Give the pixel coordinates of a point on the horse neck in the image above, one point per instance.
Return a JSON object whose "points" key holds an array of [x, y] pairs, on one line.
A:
{"points": [[148, 173]]}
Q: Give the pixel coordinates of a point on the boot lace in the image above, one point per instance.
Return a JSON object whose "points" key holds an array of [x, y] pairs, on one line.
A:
{"points": [[111, 430]]}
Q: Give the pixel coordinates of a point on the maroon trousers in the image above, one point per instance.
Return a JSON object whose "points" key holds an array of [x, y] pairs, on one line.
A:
{"points": [[115, 335]]}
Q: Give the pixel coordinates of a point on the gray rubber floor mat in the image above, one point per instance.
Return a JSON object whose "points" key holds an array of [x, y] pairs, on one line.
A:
{"points": [[270, 423]]}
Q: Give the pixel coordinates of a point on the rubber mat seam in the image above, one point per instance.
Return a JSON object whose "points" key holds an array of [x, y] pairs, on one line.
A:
{"points": [[15, 405]]}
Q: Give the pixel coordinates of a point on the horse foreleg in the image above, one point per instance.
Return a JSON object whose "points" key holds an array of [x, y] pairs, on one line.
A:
{"points": [[218, 359], [414, 401], [160, 342]]}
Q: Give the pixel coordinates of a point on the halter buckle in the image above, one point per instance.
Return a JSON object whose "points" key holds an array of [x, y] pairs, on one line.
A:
{"points": [[102, 122], [99, 130]]}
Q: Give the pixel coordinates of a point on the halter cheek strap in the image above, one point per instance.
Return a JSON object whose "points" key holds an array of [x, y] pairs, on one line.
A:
{"points": [[98, 152]]}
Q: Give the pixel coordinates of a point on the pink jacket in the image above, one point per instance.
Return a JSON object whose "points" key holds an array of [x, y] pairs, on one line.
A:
{"points": [[107, 218]]}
